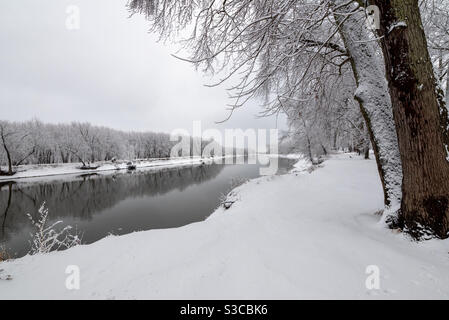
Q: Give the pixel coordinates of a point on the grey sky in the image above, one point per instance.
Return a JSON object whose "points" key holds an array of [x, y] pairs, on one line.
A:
{"points": [[110, 72]]}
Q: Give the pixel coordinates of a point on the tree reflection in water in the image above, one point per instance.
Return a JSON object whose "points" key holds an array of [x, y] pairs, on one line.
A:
{"points": [[118, 202]]}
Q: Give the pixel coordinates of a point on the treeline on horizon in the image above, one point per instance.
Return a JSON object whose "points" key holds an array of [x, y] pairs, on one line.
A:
{"points": [[35, 142]]}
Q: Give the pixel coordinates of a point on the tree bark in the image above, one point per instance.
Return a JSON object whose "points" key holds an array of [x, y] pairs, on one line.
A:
{"points": [[417, 109], [334, 146], [309, 144], [367, 153], [367, 141], [324, 149], [447, 88], [373, 98], [8, 154]]}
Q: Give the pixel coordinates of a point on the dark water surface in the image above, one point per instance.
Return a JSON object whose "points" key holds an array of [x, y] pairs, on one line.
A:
{"points": [[119, 202]]}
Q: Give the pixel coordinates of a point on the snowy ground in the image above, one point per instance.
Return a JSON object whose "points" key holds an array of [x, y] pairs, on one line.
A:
{"points": [[33, 171], [301, 235]]}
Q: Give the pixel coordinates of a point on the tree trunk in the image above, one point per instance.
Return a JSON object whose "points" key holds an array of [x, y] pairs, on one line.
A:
{"points": [[374, 100], [309, 144], [324, 149], [367, 142], [309, 149], [335, 139], [447, 88], [366, 153], [416, 107], [8, 155]]}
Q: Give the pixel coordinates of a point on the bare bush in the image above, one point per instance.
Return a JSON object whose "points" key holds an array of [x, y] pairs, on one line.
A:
{"points": [[46, 238], [4, 254]]}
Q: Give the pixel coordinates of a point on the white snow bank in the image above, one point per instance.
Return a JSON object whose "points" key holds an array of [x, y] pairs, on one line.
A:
{"points": [[33, 171], [289, 156], [292, 236], [303, 164]]}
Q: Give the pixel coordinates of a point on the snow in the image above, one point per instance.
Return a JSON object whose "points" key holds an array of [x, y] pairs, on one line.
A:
{"points": [[33, 171], [447, 152], [300, 235], [293, 156], [302, 164], [397, 25]]}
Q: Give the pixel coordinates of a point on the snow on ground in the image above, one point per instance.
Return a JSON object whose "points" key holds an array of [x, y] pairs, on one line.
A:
{"points": [[302, 164], [301, 235], [292, 156], [32, 171]]}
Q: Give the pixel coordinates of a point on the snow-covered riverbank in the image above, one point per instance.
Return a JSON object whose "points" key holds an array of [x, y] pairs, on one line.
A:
{"points": [[38, 172], [301, 235], [34, 171]]}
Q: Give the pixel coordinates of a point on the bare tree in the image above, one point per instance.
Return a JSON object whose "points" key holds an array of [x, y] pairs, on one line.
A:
{"points": [[35, 142], [4, 134], [435, 16], [278, 46], [285, 50], [16, 143]]}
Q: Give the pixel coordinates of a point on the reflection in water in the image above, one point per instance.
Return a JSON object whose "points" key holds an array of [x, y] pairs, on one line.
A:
{"points": [[7, 202], [121, 202]]}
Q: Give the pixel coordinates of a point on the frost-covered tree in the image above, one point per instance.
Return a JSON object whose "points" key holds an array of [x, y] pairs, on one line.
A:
{"points": [[327, 117], [276, 45], [283, 50], [17, 144], [35, 142], [435, 15]]}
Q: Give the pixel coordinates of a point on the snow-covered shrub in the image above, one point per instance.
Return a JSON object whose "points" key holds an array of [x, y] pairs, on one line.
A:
{"points": [[303, 164], [46, 238], [227, 199], [3, 254], [4, 276]]}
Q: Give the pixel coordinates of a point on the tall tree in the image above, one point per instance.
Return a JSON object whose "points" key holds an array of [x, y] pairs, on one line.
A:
{"points": [[17, 144], [420, 116], [372, 95], [4, 134]]}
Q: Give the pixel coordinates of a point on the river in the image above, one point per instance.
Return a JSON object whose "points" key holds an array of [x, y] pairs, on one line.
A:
{"points": [[119, 202]]}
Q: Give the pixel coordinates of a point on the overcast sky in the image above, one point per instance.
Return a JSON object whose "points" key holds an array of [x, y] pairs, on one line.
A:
{"points": [[110, 72]]}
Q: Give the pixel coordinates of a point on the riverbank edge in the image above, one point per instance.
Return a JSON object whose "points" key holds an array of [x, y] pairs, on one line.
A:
{"points": [[54, 170], [317, 246]]}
